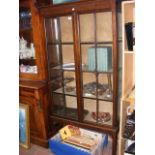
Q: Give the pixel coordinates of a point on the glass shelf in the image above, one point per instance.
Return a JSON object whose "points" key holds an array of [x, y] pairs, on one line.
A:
{"points": [[71, 91]]}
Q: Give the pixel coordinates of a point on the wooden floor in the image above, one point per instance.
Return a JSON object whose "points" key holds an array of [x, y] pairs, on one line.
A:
{"points": [[37, 150]]}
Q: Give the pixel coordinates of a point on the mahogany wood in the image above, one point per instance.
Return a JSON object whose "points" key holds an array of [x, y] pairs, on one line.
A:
{"points": [[35, 95], [35, 92], [75, 9], [36, 35]]}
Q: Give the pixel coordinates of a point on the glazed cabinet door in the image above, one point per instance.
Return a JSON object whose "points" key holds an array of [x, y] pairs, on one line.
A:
{"points": [[61, 66], [96, 50], [82, 65]]}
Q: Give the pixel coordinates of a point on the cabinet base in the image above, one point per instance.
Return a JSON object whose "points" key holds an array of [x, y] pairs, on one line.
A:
{"points": [[39, 141]]}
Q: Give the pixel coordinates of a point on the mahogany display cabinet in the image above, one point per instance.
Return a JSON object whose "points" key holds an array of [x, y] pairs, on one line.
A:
{"points": [[81, 49]]}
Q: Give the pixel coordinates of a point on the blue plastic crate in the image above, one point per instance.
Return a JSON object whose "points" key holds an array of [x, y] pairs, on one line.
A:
{"points": [[59, 148]]}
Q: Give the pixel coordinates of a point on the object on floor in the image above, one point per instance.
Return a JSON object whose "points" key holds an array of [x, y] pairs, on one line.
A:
{"points": [[64, 147]]}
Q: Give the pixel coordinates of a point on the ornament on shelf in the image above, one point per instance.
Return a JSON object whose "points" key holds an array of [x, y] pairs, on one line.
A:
{"points": [[24, 51], [32, 50]]}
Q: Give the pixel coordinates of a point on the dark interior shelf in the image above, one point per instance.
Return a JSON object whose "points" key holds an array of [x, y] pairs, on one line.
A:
{"points": [[27, 29], [30, 62]]}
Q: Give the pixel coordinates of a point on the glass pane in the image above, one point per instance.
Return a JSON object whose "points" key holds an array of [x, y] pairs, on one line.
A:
{"points": [[101, 114], [24, 18], [85, 55], [52, 30], [104, 26], [65, 84], [65, 106], [66, 29], [60, 52], [105, 91], [87, 28], [69, 83], [27, 50], [54, 57], [89, 85], [63, 1], [89, 107], [56, 80], [97, 58], [105, 113], [68, 54]]}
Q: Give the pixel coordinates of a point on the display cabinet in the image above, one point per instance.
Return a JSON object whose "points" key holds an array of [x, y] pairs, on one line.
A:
{"points": [[128, 70], [31, 53], [81, 47], [32, 71]]}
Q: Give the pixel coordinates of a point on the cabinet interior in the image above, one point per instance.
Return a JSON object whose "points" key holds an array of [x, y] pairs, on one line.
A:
{"points": [[95, 38]]}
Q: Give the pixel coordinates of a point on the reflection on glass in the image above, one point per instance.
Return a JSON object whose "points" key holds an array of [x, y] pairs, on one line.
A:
{"points": [[67, 85], [99, 86], [106, 81], [84, 55], [105, 112], [52, 30], [56, 28], [66, 29], [89, 107], [100, 58], [104, 26], [96, 58], [65, 106], [102, 115], [87, 33], [53, 55], [68, 54], [89, 85]]}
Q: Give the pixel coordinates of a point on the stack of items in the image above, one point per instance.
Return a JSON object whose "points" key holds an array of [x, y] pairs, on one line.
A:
{"points": [[102, 58], [24, 18], [78, 141], [129, 133]]}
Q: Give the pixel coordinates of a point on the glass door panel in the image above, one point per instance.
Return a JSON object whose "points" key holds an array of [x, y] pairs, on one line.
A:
{"points": [[68, 54], [85, 56], [97, 63], [87, 27], [105, 113], [104, 27], [61, 66], [64, 106], [52, 30], [89, 107], [97, 112], [106, 81], [66, 29], [89, 85], [54, 56]]}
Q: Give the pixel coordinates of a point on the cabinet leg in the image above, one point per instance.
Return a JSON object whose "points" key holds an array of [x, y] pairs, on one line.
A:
{"points": [[114, 144]]}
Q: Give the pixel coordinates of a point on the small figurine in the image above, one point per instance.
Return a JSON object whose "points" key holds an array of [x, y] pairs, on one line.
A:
{"points": [[22, 48], [32, 50]]}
